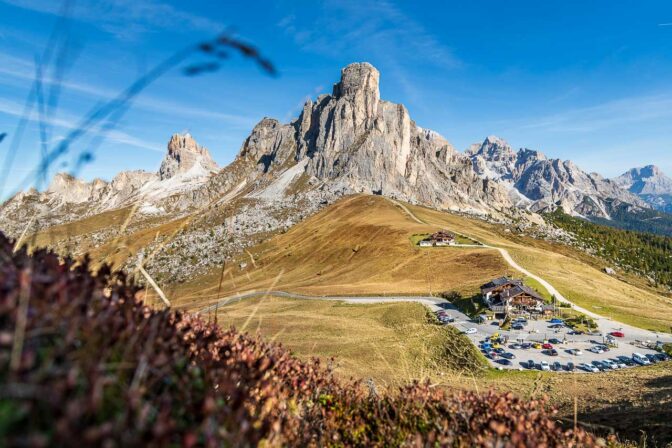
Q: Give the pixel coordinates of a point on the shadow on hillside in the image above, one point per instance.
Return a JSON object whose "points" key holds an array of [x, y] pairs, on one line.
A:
{"points": [[649, 418]]}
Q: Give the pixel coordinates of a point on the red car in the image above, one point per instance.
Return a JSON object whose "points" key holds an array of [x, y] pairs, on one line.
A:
{"points": [[617, 334], [547, 346]]}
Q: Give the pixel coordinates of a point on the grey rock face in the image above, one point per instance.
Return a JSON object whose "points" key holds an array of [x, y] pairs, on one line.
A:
{"points": [[650, 184], [184, 154], [352, 141], [547, 183]]}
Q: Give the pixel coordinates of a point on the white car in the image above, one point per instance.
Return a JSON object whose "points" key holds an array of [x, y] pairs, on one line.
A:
{"points": [[543, 365], [470, 331], [610, 364], [588, 368], [596, 350], [575, 352], [640, 359]]}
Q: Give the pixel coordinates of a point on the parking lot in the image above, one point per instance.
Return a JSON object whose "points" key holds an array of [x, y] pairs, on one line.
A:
{"points": [[539, 331]]}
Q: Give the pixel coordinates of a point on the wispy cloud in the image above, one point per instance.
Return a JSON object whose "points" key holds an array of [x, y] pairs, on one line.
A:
{"points": [[375, 26], [665, 24], [611, 114], [126, 18], [23, 69], [68, 122]]}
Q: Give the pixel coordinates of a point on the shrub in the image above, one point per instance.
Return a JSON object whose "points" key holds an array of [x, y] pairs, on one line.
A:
{"points": [[99, 368]]}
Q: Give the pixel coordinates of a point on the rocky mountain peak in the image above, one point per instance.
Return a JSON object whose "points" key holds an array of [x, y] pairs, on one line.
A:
{"points": [[184, 154], [647, 180], [359, 79], [494, 149]]}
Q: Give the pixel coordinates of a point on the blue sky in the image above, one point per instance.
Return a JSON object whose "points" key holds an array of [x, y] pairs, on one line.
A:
{"points": [[587, 81]]}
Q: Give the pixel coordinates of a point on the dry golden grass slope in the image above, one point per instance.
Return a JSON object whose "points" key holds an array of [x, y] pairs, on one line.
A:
{"points": [[392, 343], [579, 281], [358, 246]]}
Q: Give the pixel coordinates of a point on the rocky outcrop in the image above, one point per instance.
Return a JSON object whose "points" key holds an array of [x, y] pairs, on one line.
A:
{"points": [[650, 184], [544, 184], [184, 156]]}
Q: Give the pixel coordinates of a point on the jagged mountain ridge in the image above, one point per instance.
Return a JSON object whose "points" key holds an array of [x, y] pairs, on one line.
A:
{"points": [[349, 141], [542, 184], [185, 167], [650, 184], [352, 141]]}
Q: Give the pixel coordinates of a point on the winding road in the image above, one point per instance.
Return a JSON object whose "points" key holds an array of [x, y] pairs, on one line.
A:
{"points": [[604, 323]]}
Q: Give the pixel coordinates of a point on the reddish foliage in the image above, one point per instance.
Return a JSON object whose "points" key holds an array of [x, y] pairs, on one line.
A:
{"points": [[98, 368]]}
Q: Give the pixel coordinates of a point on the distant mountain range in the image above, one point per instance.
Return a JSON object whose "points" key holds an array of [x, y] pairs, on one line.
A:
{"points": [[650, 184], [349, 141]]}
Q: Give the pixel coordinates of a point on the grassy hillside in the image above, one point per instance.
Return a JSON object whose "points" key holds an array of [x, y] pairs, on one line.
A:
{"points": [[644, 253], [393, 343], [567, 270], [360, 245]]}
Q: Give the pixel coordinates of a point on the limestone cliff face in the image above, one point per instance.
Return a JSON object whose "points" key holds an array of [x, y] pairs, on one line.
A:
{"points": [[352, 141], [544, 184], [184, 154]]}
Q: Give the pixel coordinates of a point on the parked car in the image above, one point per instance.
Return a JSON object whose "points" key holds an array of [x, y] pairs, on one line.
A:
{"points": [[531, 364], [600, 365], [543, 365], [515, 346], [556, 366], [504, 362], [652, 358], [625, 360], [508, 355], [552, 352], [526, 346], [609, 363], [620, 364], [517, 326], [470, 331], [662, 357], [555, 341], [575, 352], [640, 359], [588, 368], [537, 345], [596, 350], [556, 326], [547, 346], [570, 366], [617, 334]]}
